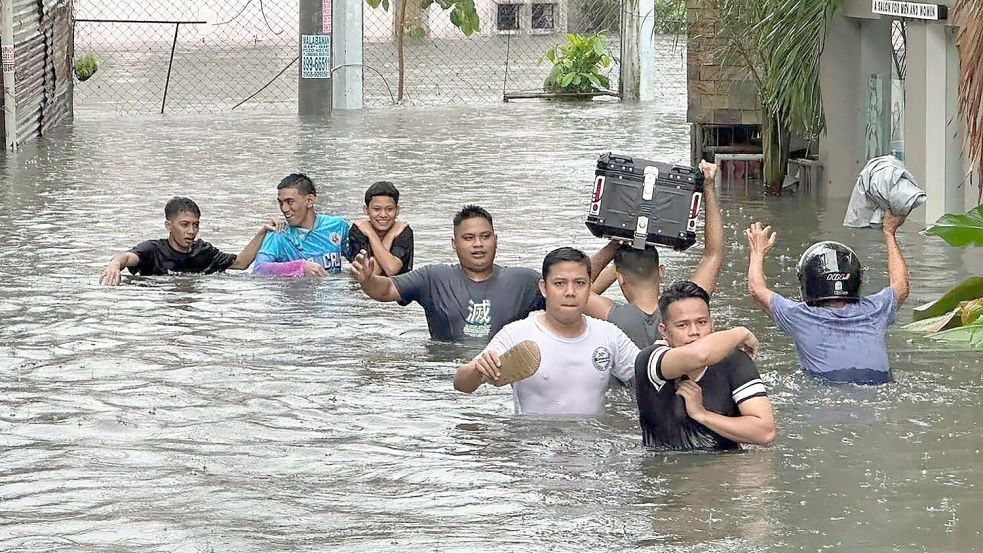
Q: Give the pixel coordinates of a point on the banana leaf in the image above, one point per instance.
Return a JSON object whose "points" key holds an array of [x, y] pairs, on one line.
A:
{"points": [[970, 335], [935, 324], [967, 290], [959, 230], [971, 312]]}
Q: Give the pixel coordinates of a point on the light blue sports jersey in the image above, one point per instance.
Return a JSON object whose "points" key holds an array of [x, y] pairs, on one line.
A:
{"points": [[323, 244]]}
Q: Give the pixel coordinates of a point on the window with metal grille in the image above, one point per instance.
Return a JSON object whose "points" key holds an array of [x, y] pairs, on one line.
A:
{"points": [[508, 17], [542, 16]]}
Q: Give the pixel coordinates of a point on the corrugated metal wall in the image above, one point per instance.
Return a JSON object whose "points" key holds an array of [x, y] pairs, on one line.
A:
{"points": [[43, 54]]}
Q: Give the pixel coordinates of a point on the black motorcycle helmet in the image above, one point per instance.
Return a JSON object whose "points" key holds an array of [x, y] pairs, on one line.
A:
{"points": [[830, 271]]}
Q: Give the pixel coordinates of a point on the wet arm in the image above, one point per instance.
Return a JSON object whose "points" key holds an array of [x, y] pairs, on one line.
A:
{"points": [[708, 350], [111, 275], [380, 288], [248, 254], [707, 273], [604, 280], [897, 267], [385, 261], [757, 286], [602, 259], [467, 378], [755, 425]]}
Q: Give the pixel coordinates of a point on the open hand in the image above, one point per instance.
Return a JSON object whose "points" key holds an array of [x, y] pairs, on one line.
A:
{"points": [[892, 221], [314, 269], [362, 266], [111, 276], [488, 366], [760, 238], [692, 394]]}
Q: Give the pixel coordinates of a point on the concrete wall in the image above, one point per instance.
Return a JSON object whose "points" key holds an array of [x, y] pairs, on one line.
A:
{"points": [[717, 93]]}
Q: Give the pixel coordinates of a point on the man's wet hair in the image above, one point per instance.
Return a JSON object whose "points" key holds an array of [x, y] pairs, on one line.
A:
{"points": [[472, 211], [637, 265], [382, 188], [680, 291], [179, 204], [563, 255], [299, 181]]}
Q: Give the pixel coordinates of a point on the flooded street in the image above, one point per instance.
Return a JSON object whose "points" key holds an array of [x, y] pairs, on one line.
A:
{"points": [[240, 413]]}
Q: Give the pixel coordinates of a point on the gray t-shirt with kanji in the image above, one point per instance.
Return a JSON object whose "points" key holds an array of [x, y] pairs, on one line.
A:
{"points": [[458, 307]]}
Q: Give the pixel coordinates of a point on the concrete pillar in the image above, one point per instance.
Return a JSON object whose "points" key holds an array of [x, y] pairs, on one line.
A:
{"points": [[638, 50], [840, 148], [347, 76], [930, 132], [314, 46]]}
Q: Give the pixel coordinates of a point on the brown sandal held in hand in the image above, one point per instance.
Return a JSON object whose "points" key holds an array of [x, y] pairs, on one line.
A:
{"points": [[519, 363]]}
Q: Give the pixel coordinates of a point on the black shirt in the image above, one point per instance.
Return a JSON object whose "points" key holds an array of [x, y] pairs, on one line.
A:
{"points": [[662, 413], [402, 247], [157, 257]]}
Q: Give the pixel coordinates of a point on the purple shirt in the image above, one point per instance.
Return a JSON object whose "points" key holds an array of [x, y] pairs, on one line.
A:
{"points": [[845, 344]]}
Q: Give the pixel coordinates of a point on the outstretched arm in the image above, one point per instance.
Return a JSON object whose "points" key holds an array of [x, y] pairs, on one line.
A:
{"points": [[112, 275], [897, 267], [378, 287], [708, 350], [760, 241], [707, 273], [755, 425], [481, 369], [248, 254]]}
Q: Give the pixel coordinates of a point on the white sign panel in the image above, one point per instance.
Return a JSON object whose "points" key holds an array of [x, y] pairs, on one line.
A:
{"points": [[912, 10], [315, 56]]}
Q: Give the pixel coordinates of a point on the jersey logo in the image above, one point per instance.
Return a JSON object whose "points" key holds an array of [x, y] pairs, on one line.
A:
{"points": [[335, 238], [601, 359], [478, 321]]}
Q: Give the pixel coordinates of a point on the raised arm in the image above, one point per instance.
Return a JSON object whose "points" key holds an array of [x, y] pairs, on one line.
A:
{"points": [[112, 274], [708, 350], [707, 273], [604, 280], [248, 254], [760, 241], [897, 267], [378, 287], [600, 260]]}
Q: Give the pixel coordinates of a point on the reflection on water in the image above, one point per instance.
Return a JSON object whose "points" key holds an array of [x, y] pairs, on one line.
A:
{"points": [[237, 413]]}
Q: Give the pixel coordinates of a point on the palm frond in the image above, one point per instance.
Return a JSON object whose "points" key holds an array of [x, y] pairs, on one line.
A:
{"points": [[968, 16]]}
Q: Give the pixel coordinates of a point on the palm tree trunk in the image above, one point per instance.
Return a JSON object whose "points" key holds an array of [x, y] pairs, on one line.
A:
{"points": [[774, 146], [969, 42]]}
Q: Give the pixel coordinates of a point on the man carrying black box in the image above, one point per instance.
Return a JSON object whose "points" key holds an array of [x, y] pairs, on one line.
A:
{"points": [[639, 273]]}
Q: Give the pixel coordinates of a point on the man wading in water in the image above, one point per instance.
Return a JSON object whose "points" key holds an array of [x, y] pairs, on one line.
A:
{"points": [[579, 354], [699, 389], [474, 298], [639, 273]]}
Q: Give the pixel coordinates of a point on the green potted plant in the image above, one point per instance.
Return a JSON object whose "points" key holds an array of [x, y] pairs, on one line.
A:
{"points": [[577, 66]]}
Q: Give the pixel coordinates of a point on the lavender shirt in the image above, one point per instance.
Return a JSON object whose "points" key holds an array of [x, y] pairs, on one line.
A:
{"points": [[845, 344]]}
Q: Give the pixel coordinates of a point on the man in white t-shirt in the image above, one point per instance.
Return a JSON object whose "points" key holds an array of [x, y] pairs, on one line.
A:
{"points": [[579, 354]]}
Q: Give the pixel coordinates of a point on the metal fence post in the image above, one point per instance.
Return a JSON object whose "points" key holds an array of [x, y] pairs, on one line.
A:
{"points": [[170, 64]]}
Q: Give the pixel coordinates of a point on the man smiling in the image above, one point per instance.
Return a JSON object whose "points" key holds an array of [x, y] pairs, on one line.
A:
{"points": [[474, 298], [380, 235], [579, 354], [312, 244]]}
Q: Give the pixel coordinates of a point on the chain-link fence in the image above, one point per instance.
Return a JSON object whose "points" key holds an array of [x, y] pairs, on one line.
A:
{"points": [[216, 55], [188, 55]]}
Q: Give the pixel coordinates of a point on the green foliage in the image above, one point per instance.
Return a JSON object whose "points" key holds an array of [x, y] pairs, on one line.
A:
{"points": [[85, 67], [967, 290], [670, 17], [577, 65], [970, 335], [935, 324], [463, 14], [959, 230]]}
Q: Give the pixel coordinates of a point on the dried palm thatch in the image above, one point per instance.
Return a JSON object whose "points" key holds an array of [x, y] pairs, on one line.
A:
{"points": [[968, 16]]}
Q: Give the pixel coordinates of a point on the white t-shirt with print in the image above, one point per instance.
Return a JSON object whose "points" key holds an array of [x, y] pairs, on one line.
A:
{"points": [[574, 373]]}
